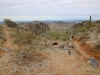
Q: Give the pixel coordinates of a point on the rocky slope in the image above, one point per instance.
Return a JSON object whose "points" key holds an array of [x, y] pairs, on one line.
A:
{"points": [[40, 57], [90, 33]]}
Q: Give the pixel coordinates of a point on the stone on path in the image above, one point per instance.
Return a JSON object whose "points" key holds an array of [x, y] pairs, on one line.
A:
{"points": [[92, 62]]}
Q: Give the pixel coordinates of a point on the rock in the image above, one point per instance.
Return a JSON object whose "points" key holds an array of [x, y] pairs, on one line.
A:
{"points": [[61, 46], [5, 49], [84, 23], [92, 62], [38, 28], [3, 37], [15, 70]]}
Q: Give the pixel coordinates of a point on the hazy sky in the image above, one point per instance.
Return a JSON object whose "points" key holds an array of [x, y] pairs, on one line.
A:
{"points": [[49, 9]]}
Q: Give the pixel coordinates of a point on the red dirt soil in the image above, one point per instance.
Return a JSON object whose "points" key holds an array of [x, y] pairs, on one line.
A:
{"points": [[2, 52], [90, 51]]}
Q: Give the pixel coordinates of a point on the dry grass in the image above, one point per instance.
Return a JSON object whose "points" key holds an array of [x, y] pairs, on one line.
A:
{"points": [[97, 45]]}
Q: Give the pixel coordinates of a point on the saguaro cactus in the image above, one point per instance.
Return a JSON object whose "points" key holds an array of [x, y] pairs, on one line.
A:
{"points": [[90, 20]]}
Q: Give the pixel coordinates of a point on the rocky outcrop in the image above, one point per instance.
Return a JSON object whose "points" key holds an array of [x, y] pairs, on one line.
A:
{"points": [[84, 23], [38, 28]]}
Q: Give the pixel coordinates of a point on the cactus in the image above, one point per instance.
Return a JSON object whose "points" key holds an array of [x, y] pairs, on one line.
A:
{"points": [[90, 21]]}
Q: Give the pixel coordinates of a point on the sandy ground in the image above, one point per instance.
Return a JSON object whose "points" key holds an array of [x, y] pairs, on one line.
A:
{"points": [[55, 61]]}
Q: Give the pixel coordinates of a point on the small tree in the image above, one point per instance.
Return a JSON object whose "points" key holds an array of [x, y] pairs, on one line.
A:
{"points": [[10, 23]]}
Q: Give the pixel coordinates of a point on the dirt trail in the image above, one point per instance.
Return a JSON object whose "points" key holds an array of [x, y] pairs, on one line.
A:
{"points": [[86, 50], [8, 43], [57, 62], [76, 45]]}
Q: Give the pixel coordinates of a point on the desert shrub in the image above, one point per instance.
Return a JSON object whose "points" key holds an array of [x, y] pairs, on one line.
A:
{"points": [[13, 32], [0, 27], [81, 29], [97, 45], [21, 56], [10, 23], [86, 33], [2, 37], [55, 35], [24, 37], [86, 27], [62, 35], [0, 30], [90, 26], [98, 30], [81, 37]]}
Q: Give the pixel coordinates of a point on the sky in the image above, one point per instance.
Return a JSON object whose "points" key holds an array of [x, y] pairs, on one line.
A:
{"points": [[29, 10]]}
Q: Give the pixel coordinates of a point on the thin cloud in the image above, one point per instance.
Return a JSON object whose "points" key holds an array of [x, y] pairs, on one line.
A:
{"points": [[47, 8]]}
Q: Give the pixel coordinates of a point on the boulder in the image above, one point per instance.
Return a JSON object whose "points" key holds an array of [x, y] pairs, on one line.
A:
{"points": [[38, 28], [92, 62]]}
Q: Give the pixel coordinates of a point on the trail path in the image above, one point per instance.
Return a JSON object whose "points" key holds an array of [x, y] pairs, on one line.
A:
{"points": [[77, 46], [8, 43], [86, 50]]}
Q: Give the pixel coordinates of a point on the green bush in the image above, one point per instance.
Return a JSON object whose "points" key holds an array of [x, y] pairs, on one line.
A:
{"points": [[10, 23], [62, 35], [24, 37], [90, 26], [81, 29], [1, 32], [87, 27]]}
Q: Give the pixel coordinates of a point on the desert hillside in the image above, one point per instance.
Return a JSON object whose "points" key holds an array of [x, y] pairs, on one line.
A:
{"points": [[61, 25], [41, 49]]}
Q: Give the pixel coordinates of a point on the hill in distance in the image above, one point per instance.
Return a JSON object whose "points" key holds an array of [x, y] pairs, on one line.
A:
{"points": [[48, 21]]}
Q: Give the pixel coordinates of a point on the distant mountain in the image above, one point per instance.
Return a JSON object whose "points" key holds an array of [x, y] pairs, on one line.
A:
{"points": [[72, 20], [75, 20], [49, 21], [1, 22], [61, 25]]}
